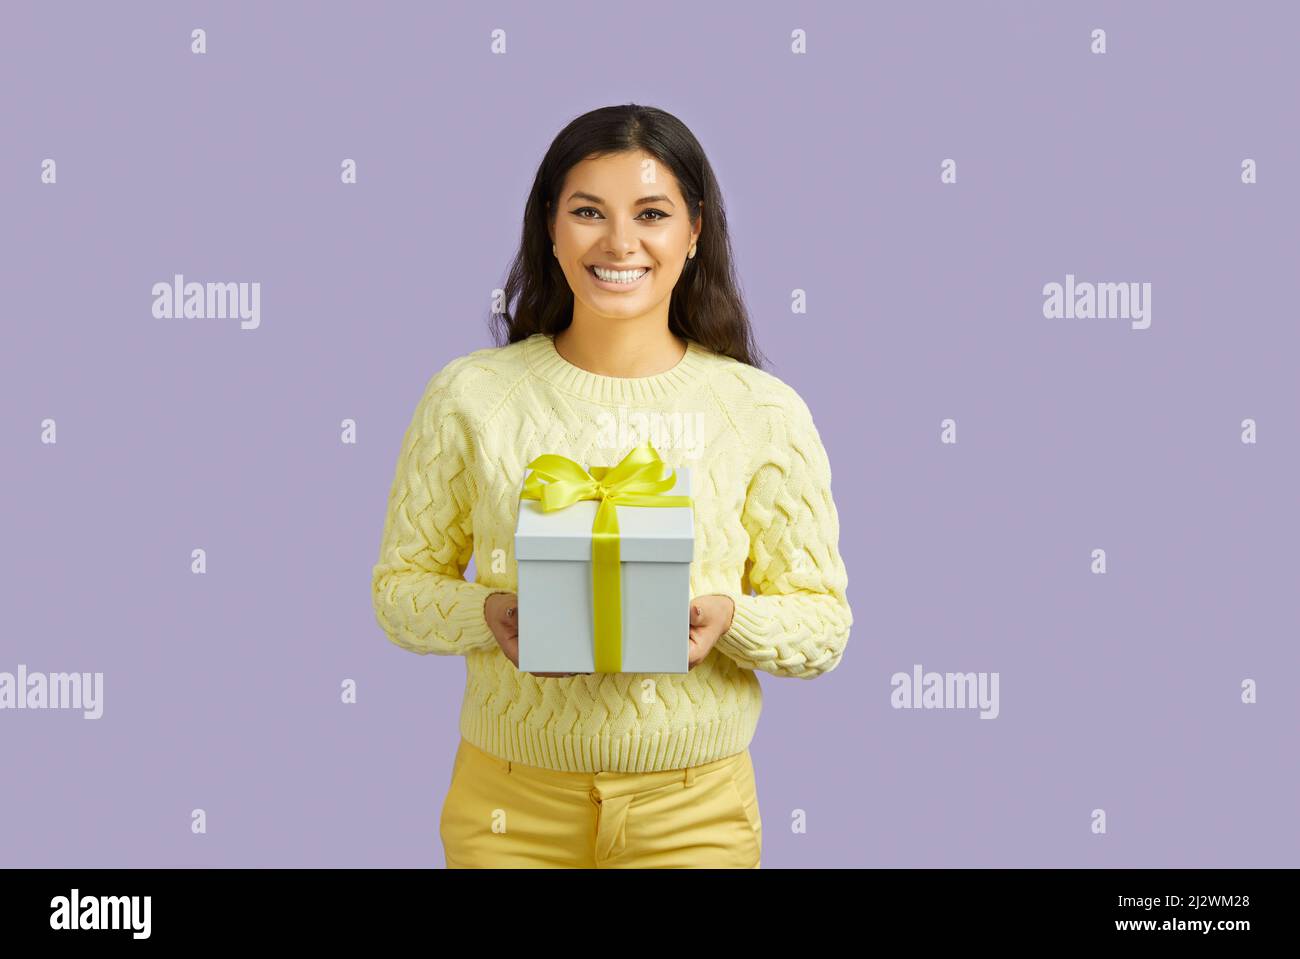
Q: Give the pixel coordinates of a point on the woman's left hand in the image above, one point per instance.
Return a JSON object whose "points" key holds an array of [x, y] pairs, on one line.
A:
{"points": [[710, 617]]}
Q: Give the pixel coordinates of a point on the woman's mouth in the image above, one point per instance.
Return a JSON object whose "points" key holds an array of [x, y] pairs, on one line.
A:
{"points": [[618, 280]]}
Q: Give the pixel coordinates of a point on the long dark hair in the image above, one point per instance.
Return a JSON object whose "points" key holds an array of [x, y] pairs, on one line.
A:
{"points": [[706, 305]]}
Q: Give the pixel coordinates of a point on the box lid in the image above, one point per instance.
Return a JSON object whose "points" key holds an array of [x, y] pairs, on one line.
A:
{"points": [[647, 534]]}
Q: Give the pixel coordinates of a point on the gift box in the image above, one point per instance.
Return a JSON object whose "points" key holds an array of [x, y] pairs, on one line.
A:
{"points": [[603, 557]]}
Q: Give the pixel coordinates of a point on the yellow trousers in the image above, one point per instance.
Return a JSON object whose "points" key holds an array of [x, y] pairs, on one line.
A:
{"points": [[500, 814]]}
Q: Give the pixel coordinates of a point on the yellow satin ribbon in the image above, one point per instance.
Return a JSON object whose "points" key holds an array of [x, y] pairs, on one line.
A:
{"points": [[638, 480]]}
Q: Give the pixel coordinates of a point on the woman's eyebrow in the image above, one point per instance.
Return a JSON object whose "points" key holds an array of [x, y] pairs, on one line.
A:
{"points": [[645, 199]]}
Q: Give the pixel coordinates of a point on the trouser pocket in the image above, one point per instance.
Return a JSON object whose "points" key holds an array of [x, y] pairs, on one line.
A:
{"points": [[741, 776]]}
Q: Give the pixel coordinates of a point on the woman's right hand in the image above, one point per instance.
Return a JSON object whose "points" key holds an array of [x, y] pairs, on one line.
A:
{"points": [[501, 610]]}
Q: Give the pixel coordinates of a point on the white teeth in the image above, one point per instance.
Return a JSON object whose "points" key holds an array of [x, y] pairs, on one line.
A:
{"points": [[618, 276]]}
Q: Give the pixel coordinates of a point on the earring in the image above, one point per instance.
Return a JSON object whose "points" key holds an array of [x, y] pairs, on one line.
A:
{"points": [[554, 250], [691, 255]]}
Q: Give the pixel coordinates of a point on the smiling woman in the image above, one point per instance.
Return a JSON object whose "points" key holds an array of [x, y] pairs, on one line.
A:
{"points": [[622, 253], [621, 190], [621, 276], [621, 309]]}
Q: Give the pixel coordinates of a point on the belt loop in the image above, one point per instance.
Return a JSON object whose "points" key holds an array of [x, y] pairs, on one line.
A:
{"points": [[689, 776]]}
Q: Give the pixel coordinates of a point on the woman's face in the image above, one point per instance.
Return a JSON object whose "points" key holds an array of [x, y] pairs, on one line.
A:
{"points": [[627, 213]]}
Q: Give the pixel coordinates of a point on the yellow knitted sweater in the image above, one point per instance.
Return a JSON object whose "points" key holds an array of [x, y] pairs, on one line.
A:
{"points": [[764, 518]]}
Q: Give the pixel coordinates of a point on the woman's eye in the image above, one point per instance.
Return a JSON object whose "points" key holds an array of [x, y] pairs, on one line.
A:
{"points": [[660, 214]]}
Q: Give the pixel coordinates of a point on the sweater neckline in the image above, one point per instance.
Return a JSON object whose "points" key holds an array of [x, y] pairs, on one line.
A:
{"points": [[546, 361]]}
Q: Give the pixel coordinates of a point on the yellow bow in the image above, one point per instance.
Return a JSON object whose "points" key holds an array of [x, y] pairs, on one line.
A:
{"points": [[638, 480]]}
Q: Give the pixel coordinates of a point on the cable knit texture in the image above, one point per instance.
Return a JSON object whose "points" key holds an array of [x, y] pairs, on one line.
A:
{"points": [[766, 534]]}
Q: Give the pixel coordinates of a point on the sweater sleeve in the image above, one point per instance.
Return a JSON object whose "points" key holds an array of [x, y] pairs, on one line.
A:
{"points": [[798, 623], [421, 597]]}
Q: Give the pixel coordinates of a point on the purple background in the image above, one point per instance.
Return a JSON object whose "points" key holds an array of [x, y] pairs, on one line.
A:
{"points": [[1119, 691]]}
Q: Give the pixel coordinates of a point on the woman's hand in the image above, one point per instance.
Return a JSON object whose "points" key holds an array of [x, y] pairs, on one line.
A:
{"points": [[501, 611], [710, 617]]}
